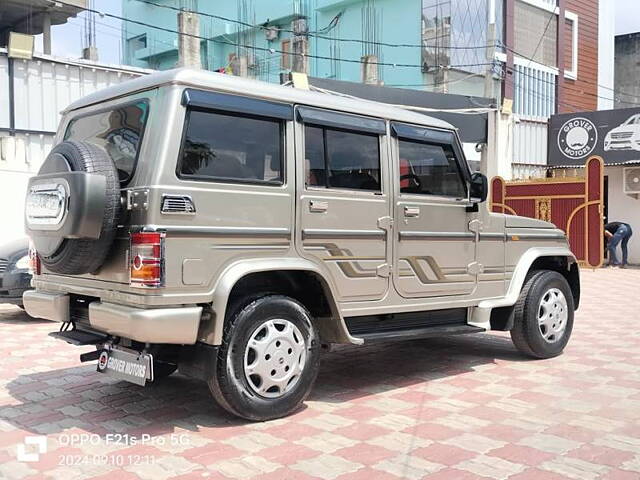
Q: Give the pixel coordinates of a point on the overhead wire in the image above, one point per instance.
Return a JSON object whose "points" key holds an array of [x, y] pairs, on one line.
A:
{"points": [[266, 49], [265, 26], [520, 54], [535, 51], [520, 72], [348, 60]]}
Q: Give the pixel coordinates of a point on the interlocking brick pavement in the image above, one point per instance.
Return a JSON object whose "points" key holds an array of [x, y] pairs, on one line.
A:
{"points": [[452, 408]]}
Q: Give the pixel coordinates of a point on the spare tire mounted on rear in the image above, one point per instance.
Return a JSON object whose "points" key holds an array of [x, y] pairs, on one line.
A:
{"points": [[73, 205]]}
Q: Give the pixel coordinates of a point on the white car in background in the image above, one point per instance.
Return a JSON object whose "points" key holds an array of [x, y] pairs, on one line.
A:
{"points": [[624, 137]]}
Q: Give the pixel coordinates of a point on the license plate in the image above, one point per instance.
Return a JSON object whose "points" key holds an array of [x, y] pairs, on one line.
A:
{"points": [[130, 366]]}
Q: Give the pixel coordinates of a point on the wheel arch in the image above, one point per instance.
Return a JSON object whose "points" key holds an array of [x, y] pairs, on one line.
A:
{"points": [[297, 278], [566, 267], [498, 313]]}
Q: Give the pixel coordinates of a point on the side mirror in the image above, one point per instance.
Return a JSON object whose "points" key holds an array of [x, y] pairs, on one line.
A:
{"points": [[479, 187]]}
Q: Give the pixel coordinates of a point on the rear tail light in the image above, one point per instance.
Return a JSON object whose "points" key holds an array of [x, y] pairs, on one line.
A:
{"points": [[34, 260], [147, 260]]}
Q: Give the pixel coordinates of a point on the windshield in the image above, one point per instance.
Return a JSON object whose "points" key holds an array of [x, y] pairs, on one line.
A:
{"points": [[118, 130]]}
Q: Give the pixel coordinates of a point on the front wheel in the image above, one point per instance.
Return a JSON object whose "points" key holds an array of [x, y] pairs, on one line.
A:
{"points": [[543, 316], [268, 360]]}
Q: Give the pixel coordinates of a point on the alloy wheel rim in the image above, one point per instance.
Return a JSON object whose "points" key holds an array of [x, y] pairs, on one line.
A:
{"points": [[553, 313], [274, 358]]}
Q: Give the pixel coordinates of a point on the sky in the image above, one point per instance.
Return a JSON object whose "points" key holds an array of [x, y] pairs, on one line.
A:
{"points": [[627, 15], [67, 38]]}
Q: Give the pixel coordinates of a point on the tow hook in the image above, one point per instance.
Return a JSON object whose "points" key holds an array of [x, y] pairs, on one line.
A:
{"points": [[89, 356], [95, 355]]}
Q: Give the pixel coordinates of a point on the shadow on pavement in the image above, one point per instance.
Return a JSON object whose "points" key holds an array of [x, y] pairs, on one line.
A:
{"points": [[55, 401], [15, 315]]}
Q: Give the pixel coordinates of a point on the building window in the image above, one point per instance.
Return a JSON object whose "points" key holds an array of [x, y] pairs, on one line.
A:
{"points": [[449, 26], [535, 33], [285, 60], [137, 43], [571, 45], [341, 159], [534, 90]]}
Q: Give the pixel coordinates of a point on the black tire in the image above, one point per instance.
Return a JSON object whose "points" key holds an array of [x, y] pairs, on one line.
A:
{"points": [[76, 256], [229, 385], [526, 333]]}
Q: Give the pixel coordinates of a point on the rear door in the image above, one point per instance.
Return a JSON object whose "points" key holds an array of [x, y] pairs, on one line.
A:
{"points": [[343, 200], [435, 247], [121, 127]]}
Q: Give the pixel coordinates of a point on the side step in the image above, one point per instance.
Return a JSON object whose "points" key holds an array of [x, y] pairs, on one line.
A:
{"points": [[78, 337], [415, 333], [405, 326]]}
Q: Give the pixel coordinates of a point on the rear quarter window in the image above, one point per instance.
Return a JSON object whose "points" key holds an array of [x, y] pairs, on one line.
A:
{"points": [[118, 130], [228, 147]]}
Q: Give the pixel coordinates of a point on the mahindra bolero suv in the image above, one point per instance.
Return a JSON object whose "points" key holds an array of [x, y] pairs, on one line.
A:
{"points": [[230, 229]]}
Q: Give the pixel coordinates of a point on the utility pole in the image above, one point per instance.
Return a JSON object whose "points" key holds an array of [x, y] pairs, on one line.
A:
{"points": [[490, 50], [497, 154], [46, 32], [189, 39], [370, 70], [300, 46], [90, 50]]}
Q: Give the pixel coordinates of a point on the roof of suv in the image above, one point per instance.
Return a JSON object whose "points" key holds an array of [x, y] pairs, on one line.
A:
{"points": [[255, 88]]}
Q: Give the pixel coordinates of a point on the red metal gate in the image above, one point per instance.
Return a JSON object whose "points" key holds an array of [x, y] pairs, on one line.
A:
{"points": [[573, 204]]}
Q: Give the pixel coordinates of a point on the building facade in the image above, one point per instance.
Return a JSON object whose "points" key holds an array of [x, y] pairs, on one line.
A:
{"points": [[536, 57], [35, 91], [627, 70]]}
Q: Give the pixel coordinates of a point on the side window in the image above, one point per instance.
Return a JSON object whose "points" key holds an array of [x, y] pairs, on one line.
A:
{"points": [[341, 159], [233, 148], [429, 169]]}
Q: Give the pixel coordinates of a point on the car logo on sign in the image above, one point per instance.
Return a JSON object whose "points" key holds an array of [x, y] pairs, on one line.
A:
{"points": [[103, 359], [577, 138]]}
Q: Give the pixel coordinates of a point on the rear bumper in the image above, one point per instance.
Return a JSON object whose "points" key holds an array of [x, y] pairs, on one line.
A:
{"points": [[175, 325]]}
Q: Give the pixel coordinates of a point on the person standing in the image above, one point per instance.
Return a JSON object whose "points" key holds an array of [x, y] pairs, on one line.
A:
{"points": [[618, 233]]}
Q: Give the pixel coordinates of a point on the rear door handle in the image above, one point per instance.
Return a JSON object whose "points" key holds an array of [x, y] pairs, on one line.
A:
{"points": [[317, 206], [411, 211]]}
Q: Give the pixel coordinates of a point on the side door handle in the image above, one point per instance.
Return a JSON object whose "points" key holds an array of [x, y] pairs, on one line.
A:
{"points": [[411, 211], [317, 206]]}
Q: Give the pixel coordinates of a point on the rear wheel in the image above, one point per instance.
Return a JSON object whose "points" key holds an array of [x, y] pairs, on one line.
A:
{"points": [[543, 315], [268, 360]]}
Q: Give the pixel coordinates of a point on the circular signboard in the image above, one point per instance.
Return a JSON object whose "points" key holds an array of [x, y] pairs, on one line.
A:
{"points": [[577, 138]]}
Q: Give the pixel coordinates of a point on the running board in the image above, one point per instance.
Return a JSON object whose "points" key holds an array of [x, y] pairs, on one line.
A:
{"points": [[78, 337], [415, 333]]}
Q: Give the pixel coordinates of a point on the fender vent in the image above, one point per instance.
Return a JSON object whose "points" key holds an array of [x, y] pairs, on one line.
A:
{"points": [[179, 204]]}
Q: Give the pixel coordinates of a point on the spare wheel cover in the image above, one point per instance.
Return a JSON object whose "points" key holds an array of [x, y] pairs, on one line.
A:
{"points": [[70, 252]]}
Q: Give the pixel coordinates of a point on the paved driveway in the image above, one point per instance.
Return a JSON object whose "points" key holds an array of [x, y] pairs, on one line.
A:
{"points": [[455, 408]]}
